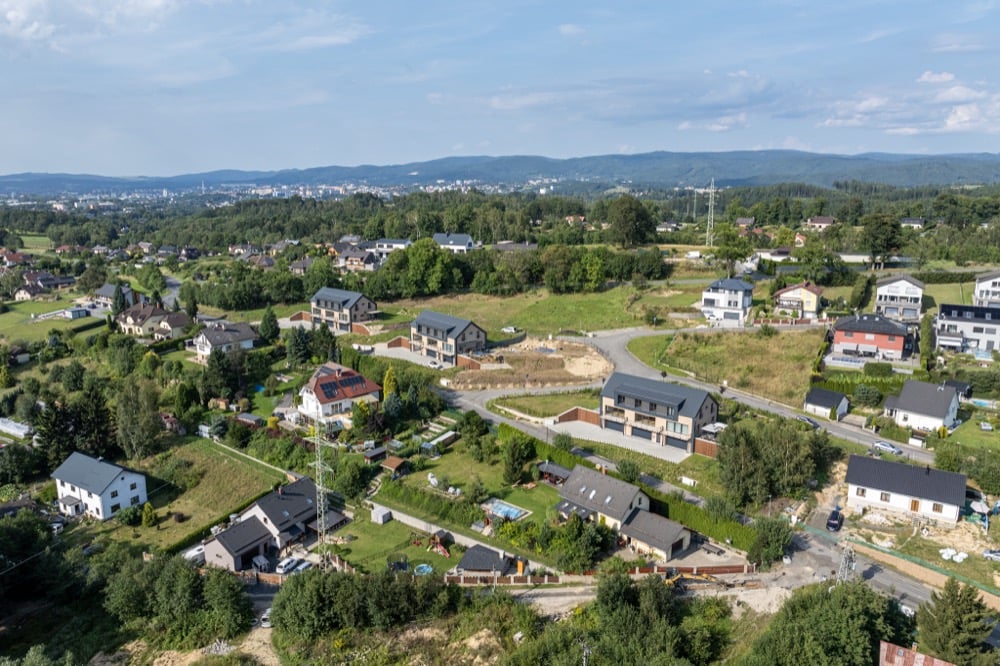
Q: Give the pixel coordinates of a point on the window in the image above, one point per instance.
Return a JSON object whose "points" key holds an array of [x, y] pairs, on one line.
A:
{"points": [[114, 493], [977, 329], [884, 497], [73, 488], [652, 406], [892, 338], [115, 508], [937, 508], [90, 495], [621, 400], [861, 492], [135, 500], [132, 486], [636, 402], [848, 334]]}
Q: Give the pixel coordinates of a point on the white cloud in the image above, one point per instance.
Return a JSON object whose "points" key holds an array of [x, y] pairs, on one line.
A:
{"points": [[935, 77], [958, 94], [963, 117], [571, 30], [876, 35], [956, 43], [57, 21], [870, 103], [313, 30], [514, 102], [720, 124]]}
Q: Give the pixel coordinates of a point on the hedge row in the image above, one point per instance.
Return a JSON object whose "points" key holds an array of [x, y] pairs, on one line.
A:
{"points": [[457, 511], [94, 322], [944, 277]]}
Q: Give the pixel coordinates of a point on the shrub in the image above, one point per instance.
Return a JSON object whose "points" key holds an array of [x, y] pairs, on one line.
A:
{"points": [[867, 395], [878, 369], [131, 515]]}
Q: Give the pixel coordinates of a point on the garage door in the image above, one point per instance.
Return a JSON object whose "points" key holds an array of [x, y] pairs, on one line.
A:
{"points": [[735, 316], [677, 443], [614, 425], [644, 434]]}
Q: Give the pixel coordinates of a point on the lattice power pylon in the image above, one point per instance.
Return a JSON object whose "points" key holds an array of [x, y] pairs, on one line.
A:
{"points": [[323, 471], [848, 561], [710, 226]]}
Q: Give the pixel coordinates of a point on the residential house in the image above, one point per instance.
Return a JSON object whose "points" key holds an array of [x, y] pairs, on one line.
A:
{"points": [[967, 328], [727, 301], [912, 223], [359, 260], [987, 290], [301, 266], [9, 258], [333, 390], [442, 337], [667, 227], [820, 222], [29, 292], [88, 486], [270, 524], [386, 246], [899, 297], [172, 326], [105, 296], [653, 535], [914, 492], [802, 300], [141, 320], [264, 262], [823, 402], [871, 336], [744, 224], [223, 336], [651, 409], [47, 280], [241, 249], [479, 560], [599, 497], [923, 406], [339, 309], [455, 243]]}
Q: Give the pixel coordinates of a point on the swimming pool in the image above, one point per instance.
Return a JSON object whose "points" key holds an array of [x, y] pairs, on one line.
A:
{"points": [[500, 508], [423, 569]]}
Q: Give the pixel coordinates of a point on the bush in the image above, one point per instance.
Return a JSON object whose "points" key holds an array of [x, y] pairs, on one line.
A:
{"points": [[867, 395], [131, 515], [878, 369]]}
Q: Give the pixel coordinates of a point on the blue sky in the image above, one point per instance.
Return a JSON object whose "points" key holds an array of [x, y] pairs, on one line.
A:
{"points": [[161, 87]]}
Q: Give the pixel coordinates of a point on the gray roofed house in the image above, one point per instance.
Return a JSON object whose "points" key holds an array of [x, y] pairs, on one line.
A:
{"points": [[869, 324], [91, 486], [727, 302], [823, 402], [235, 547], [664, 413], [443, 337], [480, 560], [291, 504], [593, 495], [923, 406], [875, 484], [105, 295], [224, 336], [986, 293], [339, 308], [967, 328], [899, 297], [652, 534], [455, 243]]}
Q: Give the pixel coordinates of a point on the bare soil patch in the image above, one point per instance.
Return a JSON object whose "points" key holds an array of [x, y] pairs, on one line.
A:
{"points": [[537, 362]]}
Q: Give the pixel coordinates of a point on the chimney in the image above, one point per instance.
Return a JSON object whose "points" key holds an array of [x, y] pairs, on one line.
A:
{"points": [[280, 492]]}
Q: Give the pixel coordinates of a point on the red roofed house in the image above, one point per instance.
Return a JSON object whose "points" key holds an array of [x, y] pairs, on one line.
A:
{"points": [[331, 392], [871, 336]]}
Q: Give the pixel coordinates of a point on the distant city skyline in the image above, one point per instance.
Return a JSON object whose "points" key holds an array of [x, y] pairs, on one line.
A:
{"points": [[165, 87]]}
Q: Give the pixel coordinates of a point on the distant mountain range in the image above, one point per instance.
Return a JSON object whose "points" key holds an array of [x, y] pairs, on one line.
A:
{"points": [[657, 169]]}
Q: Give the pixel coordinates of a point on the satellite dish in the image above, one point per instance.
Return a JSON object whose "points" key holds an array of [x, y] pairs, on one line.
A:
{"points": [[432, 479]]}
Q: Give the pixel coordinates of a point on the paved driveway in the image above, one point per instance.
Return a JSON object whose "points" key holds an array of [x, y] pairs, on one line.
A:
{"points": [[581, 430]]}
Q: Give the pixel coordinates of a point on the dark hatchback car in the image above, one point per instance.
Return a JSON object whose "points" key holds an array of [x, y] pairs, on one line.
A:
{"points": [[835, 521]]}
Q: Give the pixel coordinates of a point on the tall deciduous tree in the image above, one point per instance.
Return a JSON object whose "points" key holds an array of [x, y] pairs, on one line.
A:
{"points": [[954, 625], [629, 221], [137, 417], [881, 237], [269, 330], [731, 248]]}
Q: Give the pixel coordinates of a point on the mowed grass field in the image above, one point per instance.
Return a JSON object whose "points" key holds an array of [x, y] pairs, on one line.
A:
{"points": [[776, 367], [18, 322], [371, 547], [34, 243], [227, 483], [549, 404]]}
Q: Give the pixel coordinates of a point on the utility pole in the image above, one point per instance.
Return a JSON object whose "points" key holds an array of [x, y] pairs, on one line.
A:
{"points": [[322, 492], [710, 226]]}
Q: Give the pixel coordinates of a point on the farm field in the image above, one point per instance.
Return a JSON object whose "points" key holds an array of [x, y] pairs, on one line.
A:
{"points": [[35, 242], [776, 367], [549, 404], [227, 482]]}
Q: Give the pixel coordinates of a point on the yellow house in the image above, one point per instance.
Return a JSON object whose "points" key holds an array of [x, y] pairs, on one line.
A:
{"points": [[801, 299]]}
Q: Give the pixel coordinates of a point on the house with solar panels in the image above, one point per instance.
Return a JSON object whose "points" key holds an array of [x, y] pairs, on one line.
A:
{"points": [[331, 393], [655, 410], [443, 338], [338, 309]]}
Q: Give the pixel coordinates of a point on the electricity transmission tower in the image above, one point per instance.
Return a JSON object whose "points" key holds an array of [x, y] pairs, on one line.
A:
{"points": [[710, 227], [847, 564], [322, 491]]}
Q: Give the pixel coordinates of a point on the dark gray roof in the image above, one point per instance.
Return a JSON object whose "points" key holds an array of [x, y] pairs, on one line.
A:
{"points": [[480, 558], [981, 313], [600, 493], [869, 323], [553, 469], [652, 529], [88, 473], [822, 397], [731, 284], [963, 389], [924, 398], [291, 504], [243, 536], [991, 275], [453, 239], [451, 326], [686, 400], [341, 297], [223, 332], [889, 279], [923, 482]]}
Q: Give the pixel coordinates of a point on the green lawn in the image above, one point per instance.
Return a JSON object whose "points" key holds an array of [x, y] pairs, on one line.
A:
{"points": [[280, 310], [549, 404], [975, 567], [936, 294], [227, 483], [970, 434], [373, 545], [35, 242], [17, 323]]}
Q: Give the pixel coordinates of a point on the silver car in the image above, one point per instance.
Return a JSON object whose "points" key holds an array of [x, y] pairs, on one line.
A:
{"points": [[887, 447], [992, 555]]}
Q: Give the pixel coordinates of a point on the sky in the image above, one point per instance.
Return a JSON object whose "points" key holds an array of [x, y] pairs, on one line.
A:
{"points": [[165, 87]]}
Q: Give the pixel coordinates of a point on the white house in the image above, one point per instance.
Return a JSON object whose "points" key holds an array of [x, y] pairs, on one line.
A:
{"points": [[921, 492], [987, 290], [967, 328], [923, 406], [455, 243], [824, 402], [899, 297], [386, 246], [332, 392], [223, 336], [92, 487], [727, 301]]}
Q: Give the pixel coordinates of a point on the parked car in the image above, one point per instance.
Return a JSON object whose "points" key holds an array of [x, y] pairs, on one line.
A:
{"points": [[992, 555], [433, 364], [809, 422], [265, 619], [306, 564], [887, 447], [835, 521], [973, 495], [287, 565]]}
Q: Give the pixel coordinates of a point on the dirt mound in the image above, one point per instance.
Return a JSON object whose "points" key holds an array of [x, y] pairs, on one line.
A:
{"points": [[537, 362], [481, 648]]}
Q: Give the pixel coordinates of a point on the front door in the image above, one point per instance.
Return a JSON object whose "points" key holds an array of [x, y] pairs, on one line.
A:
{"points": [[914, 505]]}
